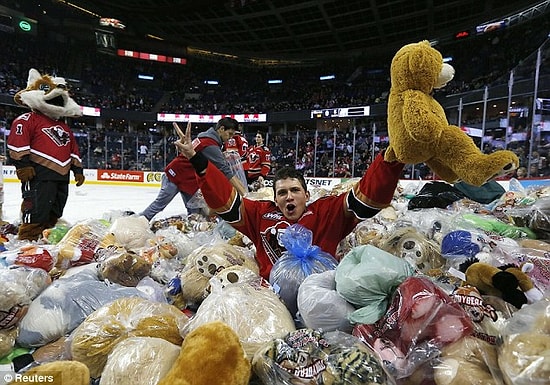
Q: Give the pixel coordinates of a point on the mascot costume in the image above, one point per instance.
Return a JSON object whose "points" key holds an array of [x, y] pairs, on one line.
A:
{"points": [[43, 149]]}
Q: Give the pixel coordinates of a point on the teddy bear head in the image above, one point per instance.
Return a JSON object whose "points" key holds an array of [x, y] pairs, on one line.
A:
{"points": [[419, 66], [207, 261], [411, 245]]}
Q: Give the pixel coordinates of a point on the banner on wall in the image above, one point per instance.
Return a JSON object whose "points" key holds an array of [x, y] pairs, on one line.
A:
{"points": [[196, 118]]}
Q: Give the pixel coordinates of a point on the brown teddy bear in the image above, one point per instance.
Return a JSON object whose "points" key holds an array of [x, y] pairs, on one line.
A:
{"points": [[211, 354], [467, 361], [524, 352], [413, 246], [203, 264], [418, 128]]}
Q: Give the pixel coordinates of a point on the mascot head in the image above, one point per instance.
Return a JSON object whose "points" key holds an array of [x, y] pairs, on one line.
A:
{"points": [[48, 95]]}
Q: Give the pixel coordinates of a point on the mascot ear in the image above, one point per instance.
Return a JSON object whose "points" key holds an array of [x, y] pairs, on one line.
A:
{"points": [[34, 75]]}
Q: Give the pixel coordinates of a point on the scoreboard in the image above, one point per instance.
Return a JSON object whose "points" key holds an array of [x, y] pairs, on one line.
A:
{"points": [[345, 112]]}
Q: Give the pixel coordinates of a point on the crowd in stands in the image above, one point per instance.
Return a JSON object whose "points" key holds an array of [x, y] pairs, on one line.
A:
{"points": [[111, 82]]}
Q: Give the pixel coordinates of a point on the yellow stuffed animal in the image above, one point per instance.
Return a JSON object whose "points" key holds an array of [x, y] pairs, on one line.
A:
{"points": [[211, 354], [418, 128]]}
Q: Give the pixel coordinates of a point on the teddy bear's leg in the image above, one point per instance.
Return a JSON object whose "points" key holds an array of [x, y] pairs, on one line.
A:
{"points": [[442, 171], [459, 152]]}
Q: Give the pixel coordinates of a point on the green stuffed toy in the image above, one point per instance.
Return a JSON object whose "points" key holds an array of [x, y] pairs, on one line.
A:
{"points": [[418, 128]]}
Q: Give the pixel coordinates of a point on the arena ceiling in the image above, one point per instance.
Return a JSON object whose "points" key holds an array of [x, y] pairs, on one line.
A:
{"points": [[303, 30]]}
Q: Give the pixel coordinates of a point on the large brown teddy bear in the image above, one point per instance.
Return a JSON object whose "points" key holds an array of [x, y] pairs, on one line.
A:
{"points": [[418, 128], [211, 354]]}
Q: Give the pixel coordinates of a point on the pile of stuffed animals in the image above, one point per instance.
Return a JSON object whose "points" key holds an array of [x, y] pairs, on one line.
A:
{"points": [[451, 295]]}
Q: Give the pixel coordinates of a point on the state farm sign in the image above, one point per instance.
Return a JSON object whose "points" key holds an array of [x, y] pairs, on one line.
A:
{"points": [[120, 176]]}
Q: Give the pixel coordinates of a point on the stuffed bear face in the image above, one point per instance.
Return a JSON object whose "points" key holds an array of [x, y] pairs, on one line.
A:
{"points": [[419, 66]]}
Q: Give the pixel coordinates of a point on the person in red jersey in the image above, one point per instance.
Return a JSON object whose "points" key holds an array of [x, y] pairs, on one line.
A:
{"points": [[258, 162], [43, 150], [237, 143], [330, 218]]}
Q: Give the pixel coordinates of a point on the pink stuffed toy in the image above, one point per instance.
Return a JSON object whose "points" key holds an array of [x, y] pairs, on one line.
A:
{"points": [[420, 320]]}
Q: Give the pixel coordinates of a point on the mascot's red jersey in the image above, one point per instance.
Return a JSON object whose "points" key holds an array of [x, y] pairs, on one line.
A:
{"points": [[330, 218], [47, 142]]}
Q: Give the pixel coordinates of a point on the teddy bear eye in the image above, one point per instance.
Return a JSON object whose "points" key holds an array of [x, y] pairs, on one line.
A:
{"points": [[232, 277], [408, 245]]}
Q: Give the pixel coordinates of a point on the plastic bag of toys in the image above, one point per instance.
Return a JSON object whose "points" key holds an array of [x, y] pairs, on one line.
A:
{"points": [[535, 216], [300, 260], [367, 277], [31, 255], [250, 308], [80, 243], [316, 357], [65, 303], [18, 287], [420, 320], [524, 355], [132, 231], [96, 337], [125, 268], [490, 223], [139, 360], [319, 304]]}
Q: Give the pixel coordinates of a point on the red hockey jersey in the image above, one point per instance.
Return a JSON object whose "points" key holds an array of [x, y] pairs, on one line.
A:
{"points": [[330, 218], [45, 141], [237, 143], [258, 162]]}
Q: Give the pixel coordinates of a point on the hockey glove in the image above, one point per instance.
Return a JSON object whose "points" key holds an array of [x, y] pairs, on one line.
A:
{"points": [[25, 174], [79, 178]]}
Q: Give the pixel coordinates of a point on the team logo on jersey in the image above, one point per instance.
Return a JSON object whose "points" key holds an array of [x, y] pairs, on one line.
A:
{"points": [[58, 135], [271, 240]]}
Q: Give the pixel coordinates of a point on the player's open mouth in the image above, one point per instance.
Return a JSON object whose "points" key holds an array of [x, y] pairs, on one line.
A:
{"points": [[290, 207]]}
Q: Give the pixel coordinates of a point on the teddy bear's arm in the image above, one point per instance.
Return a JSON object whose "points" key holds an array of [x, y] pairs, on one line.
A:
{"points": [[422, 116]]}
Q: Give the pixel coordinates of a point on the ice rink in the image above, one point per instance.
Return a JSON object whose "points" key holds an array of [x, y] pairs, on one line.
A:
{"points": [[94, 200]]}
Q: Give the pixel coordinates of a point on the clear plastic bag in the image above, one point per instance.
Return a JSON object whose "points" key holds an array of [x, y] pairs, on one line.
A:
{"points": [[93, 340], [420, 320], [319, 304], [235, 162], [253, 311], [524, 355], [18, 287], [314, 357], [139, 360]]}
